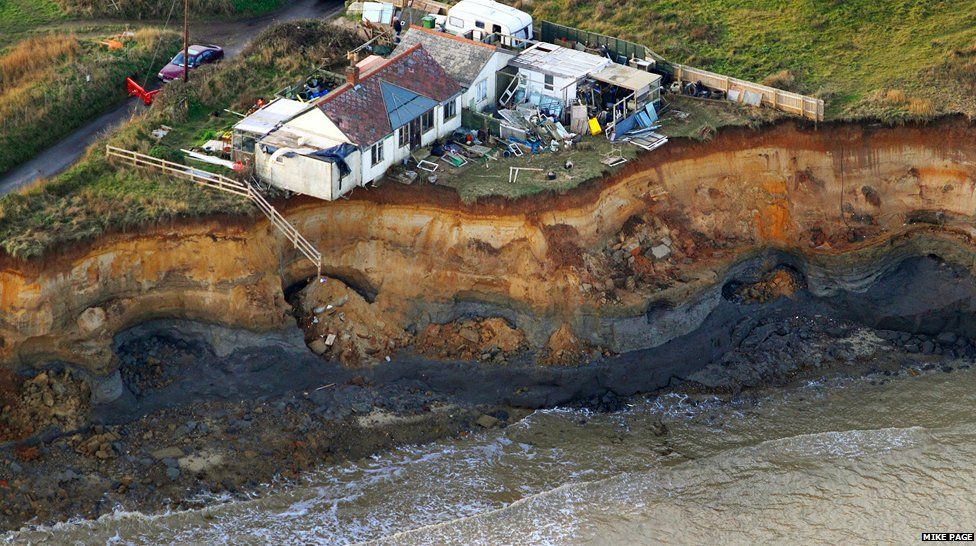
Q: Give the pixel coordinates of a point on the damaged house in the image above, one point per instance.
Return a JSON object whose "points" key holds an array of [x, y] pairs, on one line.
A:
{"points": [[385, 110], [472, 64]]}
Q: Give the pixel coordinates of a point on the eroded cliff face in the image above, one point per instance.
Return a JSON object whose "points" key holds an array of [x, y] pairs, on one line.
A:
{"points": [[664, 229]]}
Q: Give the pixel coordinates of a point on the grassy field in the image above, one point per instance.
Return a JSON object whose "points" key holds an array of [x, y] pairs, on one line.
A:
{"points": [[20, 19], [849, 52], [152, 9], [94, 197], [52, 84], [21, 15]]}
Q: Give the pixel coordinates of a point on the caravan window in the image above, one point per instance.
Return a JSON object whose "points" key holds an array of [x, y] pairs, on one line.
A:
{"points": [[456, 22], [479, 24], [550, 82]]}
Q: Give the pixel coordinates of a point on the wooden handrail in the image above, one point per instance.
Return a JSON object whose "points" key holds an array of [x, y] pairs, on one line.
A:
{"points": [[225, 184]]}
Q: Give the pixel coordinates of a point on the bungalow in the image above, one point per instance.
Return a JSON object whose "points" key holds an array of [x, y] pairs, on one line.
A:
{"points": [[383, 112], [473, 65]]}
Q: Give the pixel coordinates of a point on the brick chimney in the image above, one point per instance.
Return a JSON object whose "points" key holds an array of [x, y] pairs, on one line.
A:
{"points": [[352, 75]]}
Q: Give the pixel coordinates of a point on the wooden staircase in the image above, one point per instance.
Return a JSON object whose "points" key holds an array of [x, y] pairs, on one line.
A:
{"points": [[224, 184]]}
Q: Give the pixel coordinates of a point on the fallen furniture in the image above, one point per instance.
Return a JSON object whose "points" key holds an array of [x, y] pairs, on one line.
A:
{"points": [[614, 158], [513, 173]]}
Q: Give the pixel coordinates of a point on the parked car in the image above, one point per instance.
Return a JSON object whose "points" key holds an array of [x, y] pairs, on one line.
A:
{"points": [[198, 54]]}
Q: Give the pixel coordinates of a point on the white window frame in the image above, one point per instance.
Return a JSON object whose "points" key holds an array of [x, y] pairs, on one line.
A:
{"points": [[481, 90], [403, 136], [549, 82], [427, 122], [376, 153], [456, 22], [450, 110]]}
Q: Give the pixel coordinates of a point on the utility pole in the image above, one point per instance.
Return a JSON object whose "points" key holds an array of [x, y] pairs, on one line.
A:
{"points": [[186, 40]]}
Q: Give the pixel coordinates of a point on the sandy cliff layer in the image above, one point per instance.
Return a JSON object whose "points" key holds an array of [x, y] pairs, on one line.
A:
{"points": [[601, 259]]}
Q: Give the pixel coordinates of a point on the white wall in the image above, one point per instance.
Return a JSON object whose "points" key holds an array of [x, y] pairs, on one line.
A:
{"points": [[564, 88], [307, 175], [488, 73], [316, 122], [298, 173], [372, 172], [393, 154]]}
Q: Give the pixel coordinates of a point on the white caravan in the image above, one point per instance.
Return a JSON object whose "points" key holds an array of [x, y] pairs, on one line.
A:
{"points": [[485, 17]]}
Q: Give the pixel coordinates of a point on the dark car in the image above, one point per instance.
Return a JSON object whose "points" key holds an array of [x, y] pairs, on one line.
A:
{"points": [[198, 54]]}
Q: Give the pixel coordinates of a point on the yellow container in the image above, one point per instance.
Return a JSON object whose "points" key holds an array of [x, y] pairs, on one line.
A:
{"points": [[595, 128]]}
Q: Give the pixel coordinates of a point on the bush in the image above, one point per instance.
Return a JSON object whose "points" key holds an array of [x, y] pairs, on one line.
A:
{"points": [[76, 84], [93, 197], [30, 60]]}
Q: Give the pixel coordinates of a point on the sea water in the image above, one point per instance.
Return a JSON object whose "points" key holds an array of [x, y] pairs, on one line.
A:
{"points": [[869, 460]]}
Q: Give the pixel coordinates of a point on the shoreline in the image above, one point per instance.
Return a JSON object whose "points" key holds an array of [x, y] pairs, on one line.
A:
{"points": [[228, 421]]}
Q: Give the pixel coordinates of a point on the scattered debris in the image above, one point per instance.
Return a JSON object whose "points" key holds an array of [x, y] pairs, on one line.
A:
{"points": [[491, 339], [513, 173], [162, 131]]}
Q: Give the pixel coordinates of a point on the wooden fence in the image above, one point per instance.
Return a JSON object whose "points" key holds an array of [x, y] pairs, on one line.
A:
{"points": [[225, 184], [802, 105], [794, 103]]}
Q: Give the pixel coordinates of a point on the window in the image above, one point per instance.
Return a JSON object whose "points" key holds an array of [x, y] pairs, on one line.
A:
{"points": [[427, 122], [450, 110], [479, 24], [376, 153], [481, 90], [403, 136], [456, 22], [550, 83]]}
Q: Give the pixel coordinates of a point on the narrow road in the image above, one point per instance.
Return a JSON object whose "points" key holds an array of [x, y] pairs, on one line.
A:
{"points": [[232, 35]]}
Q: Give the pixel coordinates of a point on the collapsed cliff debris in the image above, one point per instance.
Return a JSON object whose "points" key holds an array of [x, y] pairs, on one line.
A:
{"points": [[340, 324], [647, 253], [565, 349], [49, 399], [778, 283], [490, 339]]}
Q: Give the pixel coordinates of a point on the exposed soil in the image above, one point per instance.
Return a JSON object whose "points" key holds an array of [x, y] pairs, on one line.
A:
{"points": [[232, 421]]}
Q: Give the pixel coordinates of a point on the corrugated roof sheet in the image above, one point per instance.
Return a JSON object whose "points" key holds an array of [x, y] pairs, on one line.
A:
{"points": [[361, 113], [266, 119], [559, 61], [627, 77]]}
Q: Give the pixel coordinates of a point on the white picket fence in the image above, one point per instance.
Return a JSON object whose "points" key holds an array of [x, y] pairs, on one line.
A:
{"points": [[224, 184]]}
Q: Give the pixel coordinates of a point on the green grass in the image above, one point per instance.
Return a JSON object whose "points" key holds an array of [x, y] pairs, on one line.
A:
{"points": [[72, 94], [95, 197], [19, 15], [474, 181], [846, 51]]}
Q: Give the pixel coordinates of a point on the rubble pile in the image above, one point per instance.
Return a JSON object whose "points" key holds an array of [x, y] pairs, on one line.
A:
{"points": [[781, 282], [565, 349], [646, 253], [490, 339], [339, 323], [48, 399], [99, 446]]}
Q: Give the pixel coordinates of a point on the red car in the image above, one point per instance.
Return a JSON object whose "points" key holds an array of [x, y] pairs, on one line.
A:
{"points": [[198, 54]]}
